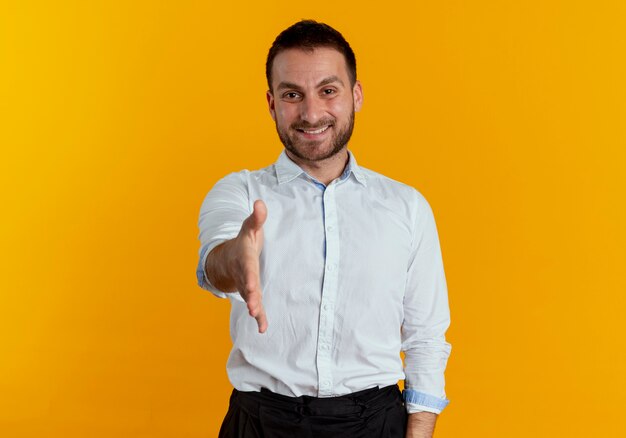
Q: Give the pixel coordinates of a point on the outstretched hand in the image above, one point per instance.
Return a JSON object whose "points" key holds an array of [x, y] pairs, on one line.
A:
{"points": [[245, 267]]}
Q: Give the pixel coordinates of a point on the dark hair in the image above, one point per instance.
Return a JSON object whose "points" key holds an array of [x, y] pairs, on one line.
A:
{"points": [[308, 35]]}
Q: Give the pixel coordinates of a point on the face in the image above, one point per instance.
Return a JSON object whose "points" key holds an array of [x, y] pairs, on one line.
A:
{"points": [[313, 102]]}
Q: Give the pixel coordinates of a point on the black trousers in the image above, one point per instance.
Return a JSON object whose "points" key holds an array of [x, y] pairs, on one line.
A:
{"points": [[373, 413]]}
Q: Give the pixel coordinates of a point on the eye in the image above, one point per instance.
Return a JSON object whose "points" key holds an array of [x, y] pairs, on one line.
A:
{"points": [[291, 95], [328, 91]]}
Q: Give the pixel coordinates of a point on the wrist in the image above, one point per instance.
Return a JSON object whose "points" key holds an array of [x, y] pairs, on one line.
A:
{"points": [[220, 267], [421, 425]]}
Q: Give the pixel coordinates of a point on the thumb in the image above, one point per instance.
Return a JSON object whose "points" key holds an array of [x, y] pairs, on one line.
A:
{"points": [[255, 221]]}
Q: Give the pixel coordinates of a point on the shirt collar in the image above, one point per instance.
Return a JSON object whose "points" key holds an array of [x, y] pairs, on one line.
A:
{"points": [[287, 170]]}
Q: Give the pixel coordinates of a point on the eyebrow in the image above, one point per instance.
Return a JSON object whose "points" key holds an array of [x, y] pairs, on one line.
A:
{"points": [[326, 81]]}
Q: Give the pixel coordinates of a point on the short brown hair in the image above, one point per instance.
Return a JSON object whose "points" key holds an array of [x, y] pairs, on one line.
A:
{"points": [[308, 35]]}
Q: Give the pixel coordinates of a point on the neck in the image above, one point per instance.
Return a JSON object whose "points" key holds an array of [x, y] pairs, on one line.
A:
{"points": [[324, 170]]}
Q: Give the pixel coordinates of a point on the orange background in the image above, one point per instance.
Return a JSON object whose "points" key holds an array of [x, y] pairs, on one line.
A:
{"points": [[118, 117]]}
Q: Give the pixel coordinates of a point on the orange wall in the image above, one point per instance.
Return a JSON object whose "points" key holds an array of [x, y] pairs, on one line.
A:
{"points": [[118, 117]]}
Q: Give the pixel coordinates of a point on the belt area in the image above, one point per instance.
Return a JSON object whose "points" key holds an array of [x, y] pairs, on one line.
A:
{"points": [[359, 404]]}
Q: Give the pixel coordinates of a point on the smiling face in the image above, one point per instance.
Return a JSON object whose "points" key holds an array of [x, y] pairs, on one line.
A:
{"points": [[313, 102]]}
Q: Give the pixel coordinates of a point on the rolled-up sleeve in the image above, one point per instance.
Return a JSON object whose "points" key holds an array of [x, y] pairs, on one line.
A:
{"points": [[426, 317], [222, 212]]}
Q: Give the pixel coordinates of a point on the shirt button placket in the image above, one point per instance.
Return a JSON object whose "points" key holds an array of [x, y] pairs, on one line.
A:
{"points": [[329, 294]]}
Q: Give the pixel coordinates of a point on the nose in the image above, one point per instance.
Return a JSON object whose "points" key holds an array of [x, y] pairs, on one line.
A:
{"points": [[312, 109]]}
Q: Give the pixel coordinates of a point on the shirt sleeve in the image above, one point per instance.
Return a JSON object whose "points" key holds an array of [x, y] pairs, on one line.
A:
{"points": [[426, 318], [222, 212]]}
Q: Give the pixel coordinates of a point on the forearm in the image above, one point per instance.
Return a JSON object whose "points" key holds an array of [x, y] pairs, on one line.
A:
{"points": [[218, 267], [421, 425]]}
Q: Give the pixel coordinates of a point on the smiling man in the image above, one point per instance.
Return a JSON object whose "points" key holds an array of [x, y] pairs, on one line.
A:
{"points": [[318, 129], [332, 269]]}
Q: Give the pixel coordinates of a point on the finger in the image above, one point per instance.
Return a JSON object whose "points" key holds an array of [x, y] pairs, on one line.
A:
{"points": [[256, 309], [261, 319], [255, 221]]}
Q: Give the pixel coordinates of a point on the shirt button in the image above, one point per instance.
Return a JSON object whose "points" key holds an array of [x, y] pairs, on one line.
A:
{"points": [[330, 228], [330, 267]]}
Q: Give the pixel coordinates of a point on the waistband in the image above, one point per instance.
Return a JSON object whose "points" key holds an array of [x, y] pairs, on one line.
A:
{"points": [[359, 403]]}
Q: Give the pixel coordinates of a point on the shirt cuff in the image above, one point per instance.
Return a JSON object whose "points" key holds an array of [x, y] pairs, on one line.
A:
{"points": [[203, 281], [416, 401]]}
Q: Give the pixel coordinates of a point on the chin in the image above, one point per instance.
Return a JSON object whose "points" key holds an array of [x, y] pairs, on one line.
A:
{"points": [[319, 155]]}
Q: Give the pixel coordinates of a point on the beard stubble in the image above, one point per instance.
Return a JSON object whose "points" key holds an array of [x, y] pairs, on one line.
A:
{"points": [[299, 148]]}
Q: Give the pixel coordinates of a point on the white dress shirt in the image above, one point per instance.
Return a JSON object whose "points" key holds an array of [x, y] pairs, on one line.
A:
{"points": [[351, 274]]}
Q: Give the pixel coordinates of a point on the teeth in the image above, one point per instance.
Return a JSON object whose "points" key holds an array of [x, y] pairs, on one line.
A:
{"points": [[318, 131]]}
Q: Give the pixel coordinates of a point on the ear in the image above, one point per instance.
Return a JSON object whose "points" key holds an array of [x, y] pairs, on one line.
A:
{"points": [[270, 104], [357, 95]]}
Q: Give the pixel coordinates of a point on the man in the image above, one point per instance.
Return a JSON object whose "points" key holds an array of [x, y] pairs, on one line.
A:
{"points": [[340, 267]]}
